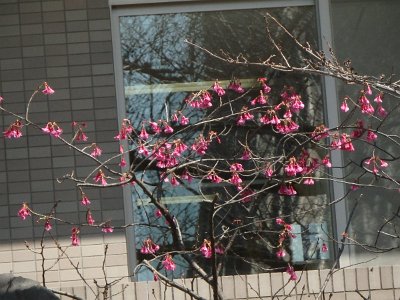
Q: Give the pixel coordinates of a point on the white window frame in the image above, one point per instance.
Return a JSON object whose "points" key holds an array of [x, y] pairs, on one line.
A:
{"points": [[121, 8]]}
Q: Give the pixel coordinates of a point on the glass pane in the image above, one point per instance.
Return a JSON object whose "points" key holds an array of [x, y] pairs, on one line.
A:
{"points": [[161, 71], [367, 33]]}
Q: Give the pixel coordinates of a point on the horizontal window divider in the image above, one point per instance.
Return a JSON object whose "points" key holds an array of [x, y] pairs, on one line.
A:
{"points": [[140, 89]]}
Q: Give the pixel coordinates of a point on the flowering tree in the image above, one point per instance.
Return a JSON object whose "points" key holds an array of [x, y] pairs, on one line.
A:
{"points": [[253, 158]]}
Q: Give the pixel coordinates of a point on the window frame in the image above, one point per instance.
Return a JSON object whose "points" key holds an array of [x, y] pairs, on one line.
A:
{"points": [[120, 8]]}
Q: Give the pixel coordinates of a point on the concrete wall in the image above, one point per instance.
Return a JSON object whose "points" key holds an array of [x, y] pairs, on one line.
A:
{"points": [[68, 44], [377, 283]]}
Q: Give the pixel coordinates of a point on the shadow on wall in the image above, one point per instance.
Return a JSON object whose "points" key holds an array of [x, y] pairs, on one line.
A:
{"points": [[19, 288]]}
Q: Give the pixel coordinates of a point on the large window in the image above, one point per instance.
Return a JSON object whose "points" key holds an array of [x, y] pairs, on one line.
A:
{"points": [[160, 70]]}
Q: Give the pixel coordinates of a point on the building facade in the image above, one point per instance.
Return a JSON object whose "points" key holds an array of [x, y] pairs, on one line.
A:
{"points": [[78, 47]]}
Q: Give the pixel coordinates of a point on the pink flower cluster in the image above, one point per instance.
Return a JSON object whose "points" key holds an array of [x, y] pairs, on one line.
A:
{"points": [[149, 247], [14, 130], [24, 211], [285, 233], [291, 272], [206, 249], [375, 164], [168, 263], [74, 236], [53, 129], [365, 103], [202, 100]]}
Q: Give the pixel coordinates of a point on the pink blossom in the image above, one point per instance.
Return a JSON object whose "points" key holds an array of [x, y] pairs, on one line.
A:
{"points": [[180, 147], [214, 177], [367, 89], [218, 89], [379, 98], [24, 211], [155, 277], [1, 100], [236, 86], [96, 151], [236, 180], [219, 249], [47, 225], [158, 213], [184, 120], [260, 99], [74, 236], [270, 118], [80, 136], [268, 171], [122, 163], [287, 190], [100, 177], [291, 272], [324, 248], [203, 100], [168, 263], [14, 130], [371, 136], [320, 132], [344, 107], [155, 127], [200, 145], [53, 129], [359, 131], [205, 249], [175, 118], [47, 89], [381, 111], [292, 168], [280, 253], [186, 175], [143, 150], [265, 88], [365, 105], [143, 134], [279, 221], [244, 116], [125, 131], [107, 228], [287, 126], [168, 129], [326, 161], [246, 154], [149, 247], [174, 180], [85, 200], [375, 163], [89, 217], [308, 181], [346, 143], [236, 167]]}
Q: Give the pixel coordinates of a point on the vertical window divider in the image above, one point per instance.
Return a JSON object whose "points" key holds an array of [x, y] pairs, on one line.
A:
{"points": [[333, 118]]}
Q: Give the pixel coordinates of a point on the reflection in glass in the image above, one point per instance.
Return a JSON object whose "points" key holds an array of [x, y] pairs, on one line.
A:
{"points": [[161, 71]]}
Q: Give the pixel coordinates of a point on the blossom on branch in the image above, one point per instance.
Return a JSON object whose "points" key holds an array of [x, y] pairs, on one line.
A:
{"points": [[100, 177], [14, 130], [24, 211], [218, 89], [47, 225], [47, 89], [89, 217], [74, 236], [53, 129], [291, 272], [149, 247], [168, 263]]}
